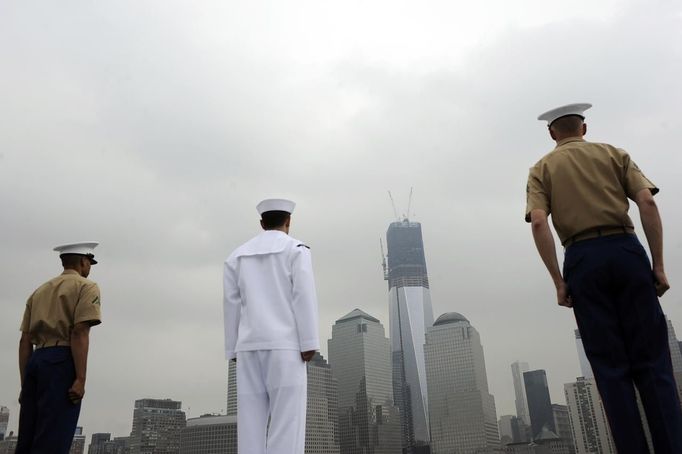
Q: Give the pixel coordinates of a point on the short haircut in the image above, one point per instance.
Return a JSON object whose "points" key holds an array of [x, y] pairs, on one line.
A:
{"points": [[568, 124], [71, 260], [273, 219]]}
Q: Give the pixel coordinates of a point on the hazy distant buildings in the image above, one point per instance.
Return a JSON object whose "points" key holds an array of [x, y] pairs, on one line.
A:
{"points": [[359, 355], [410, 315], [585, 368], [209, 434], [4, 421], [156, 426], [539, 402], [461, 410], [518, 368], [322, 410], [512, 429], [589, 426], [505, 427]]}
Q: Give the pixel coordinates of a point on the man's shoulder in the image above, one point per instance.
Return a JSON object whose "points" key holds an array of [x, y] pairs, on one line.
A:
{"points": [[268, 242]]}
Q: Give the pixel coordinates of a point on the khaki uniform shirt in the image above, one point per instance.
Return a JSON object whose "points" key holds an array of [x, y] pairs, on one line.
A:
{"points": [[59, 304], [584, 186]]}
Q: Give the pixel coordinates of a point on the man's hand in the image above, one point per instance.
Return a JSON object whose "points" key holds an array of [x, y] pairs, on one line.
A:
{"points": [[562, 296], [307, 356], [662, 284], [77, 391]]}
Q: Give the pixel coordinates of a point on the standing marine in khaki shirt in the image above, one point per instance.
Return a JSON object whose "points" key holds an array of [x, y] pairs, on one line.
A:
{"points": [[607, 277], [53, 353]]}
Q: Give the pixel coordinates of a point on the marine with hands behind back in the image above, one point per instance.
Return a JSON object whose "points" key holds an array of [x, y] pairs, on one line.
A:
{"points": [[271, 330], [607, 277], [53, 353]]}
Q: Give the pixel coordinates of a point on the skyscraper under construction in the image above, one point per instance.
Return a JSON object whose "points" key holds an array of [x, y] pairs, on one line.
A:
{"points": [[410, 315]]}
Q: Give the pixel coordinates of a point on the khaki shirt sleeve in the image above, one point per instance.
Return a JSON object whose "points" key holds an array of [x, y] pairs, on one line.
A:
{"points": [[537, 197], [635, 180], [88, 306], [26, 322]]}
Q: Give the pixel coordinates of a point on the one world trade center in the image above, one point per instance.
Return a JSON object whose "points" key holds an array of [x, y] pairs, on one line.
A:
{"points": [[410, 314]]}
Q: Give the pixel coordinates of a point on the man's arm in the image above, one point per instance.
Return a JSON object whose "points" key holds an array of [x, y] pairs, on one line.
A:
{"points": [[304, 303], [544, 241], [653, 229], [232, 306], [80, 343], [25, 352]]}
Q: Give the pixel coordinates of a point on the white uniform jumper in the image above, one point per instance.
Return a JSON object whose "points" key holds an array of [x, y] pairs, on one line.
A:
{"points": [[270, 318]]}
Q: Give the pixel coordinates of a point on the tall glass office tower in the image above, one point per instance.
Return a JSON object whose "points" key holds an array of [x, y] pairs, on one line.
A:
{"points": [[410, 314], [359, 355]]}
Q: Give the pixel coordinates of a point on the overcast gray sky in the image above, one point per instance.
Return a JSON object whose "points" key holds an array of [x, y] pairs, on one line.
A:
{"points": [[155, 128]]}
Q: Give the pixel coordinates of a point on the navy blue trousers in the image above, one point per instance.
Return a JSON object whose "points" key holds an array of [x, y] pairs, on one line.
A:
{"points": [[47, 420], [625, 336]]}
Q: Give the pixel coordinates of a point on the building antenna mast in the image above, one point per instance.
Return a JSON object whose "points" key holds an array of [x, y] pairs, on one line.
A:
{"points": [[409, 205], [395, 212]]}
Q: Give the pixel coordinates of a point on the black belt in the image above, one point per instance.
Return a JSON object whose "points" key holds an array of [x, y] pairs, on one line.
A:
{"points": [[596, 233], [59, 343]]}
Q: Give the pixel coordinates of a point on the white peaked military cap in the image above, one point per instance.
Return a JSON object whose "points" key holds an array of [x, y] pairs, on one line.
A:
{"points": [[276, 205], [569, 109], [84, 248]]}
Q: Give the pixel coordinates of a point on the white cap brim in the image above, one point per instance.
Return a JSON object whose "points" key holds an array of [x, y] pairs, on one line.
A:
{"points": [[569, 109], [82, 248], [275, 205]]}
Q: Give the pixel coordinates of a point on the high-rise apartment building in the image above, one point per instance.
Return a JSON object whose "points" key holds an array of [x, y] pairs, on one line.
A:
{"points": [[157, 424], [231, 388], [209, 434], [520, 399], [675, 354], [562, 424], [322, 409], [411, 314], [4, 421], [119, 445], [461, 409], [9, 444], [360, 358], [78, 442], [539, 402], [98, 443], [591, 434]]}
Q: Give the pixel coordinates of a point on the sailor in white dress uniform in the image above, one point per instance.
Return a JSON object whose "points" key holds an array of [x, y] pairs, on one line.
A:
{"points": [[271, 329]]}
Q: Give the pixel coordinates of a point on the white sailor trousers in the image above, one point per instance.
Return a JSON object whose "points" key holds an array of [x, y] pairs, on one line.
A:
{"points": [[271, 384]]}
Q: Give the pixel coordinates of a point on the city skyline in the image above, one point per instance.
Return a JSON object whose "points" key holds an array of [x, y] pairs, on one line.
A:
{"points": [[581, 397]]}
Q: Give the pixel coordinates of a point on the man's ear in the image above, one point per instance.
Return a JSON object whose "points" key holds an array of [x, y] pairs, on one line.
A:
{"points": [[262, 225], [584, 128], [551, 133]]}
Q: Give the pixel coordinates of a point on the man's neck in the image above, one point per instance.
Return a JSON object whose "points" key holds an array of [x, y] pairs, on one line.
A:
{"points": [[282, 229]]}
